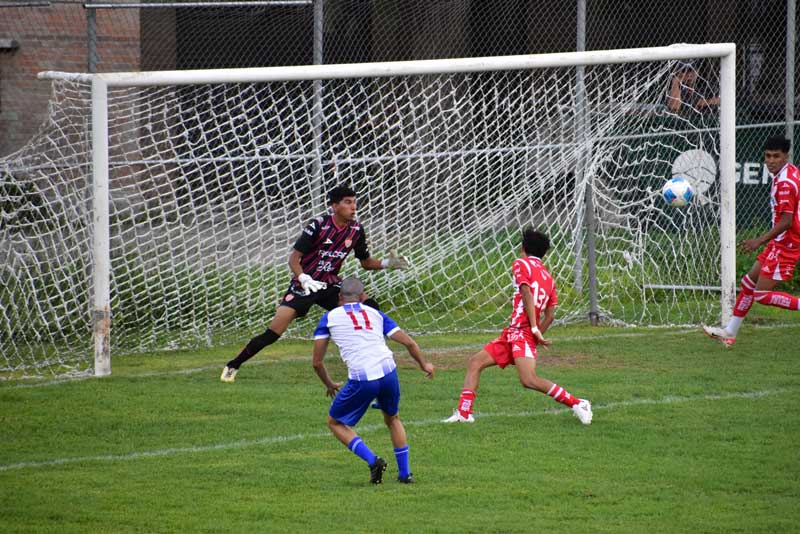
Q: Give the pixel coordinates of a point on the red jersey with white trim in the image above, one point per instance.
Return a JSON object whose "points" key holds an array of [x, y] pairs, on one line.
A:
{"points": [[325, 246], [530, 271], [785, 197]]}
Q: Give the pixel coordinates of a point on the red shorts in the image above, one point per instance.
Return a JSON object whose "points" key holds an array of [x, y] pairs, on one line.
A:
{"points": [[777, 263], [512, 343]]}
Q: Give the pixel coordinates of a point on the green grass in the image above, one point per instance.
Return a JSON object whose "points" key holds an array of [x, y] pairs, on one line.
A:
{"points": [[687, 437]]}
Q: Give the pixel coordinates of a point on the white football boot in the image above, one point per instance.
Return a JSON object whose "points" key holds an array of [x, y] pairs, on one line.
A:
{"points": [[720, 334], [583, 411], [228, 374], [458, 418]]}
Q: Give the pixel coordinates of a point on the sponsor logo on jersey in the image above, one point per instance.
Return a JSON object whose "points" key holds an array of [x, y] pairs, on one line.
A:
{"points": [[289, 297], [332, 253], [328, 242]]}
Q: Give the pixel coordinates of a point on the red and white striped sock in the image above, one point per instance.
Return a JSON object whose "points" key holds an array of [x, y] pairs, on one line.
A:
{"points": [[465, 402], [777, 299], [744, 300], [561, 395]]}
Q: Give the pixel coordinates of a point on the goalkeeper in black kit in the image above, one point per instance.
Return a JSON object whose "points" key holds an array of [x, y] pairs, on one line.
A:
{"points": [[315, 261]]}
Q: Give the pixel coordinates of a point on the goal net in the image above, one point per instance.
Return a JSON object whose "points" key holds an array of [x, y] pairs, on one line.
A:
{"points": [[211, 176]]}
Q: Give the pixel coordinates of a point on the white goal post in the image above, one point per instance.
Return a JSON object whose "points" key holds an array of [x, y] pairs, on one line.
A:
{"points": [[535, 148]]}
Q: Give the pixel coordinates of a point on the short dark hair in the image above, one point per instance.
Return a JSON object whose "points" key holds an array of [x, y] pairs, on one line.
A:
{"points": [[352, 288], [535, 243], [778, 142], [339, 192]]}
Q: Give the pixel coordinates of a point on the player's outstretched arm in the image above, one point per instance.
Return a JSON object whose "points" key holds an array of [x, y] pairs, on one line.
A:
{"points": [[785, 222], [413, 349], [395, 261], [320, 347], [530, 310], [547, 319], [392, 261]]}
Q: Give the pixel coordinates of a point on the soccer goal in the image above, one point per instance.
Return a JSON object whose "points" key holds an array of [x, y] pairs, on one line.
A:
{"points": [[156, 210]]}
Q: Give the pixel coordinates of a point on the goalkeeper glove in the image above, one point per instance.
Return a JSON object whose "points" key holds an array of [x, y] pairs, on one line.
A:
{"points": [[393, 261], [310, 285]]}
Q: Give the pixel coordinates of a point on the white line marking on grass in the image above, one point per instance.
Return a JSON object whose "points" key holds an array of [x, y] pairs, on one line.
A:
{"points": [[374, 427]]}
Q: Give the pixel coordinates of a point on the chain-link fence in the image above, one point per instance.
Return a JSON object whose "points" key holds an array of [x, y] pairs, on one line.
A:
{"points": [[118, 35], [161, 35]]}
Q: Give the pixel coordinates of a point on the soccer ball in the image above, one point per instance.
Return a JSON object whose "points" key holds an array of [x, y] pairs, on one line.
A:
{"points": [[677, 192]]}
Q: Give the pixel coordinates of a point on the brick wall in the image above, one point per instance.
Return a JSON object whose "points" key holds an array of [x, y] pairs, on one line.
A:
{"points": [[54, 38]]}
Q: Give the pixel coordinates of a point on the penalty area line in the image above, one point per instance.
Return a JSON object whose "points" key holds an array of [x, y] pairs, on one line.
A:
{"points": [[174, 451]]}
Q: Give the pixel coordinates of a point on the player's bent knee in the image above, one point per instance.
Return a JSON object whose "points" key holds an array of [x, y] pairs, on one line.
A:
{"points": [[479, 361], [390, 419], [333, 423], [527, 383]]}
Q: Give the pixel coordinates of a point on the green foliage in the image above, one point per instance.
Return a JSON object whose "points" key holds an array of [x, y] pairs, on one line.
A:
{"points": [[682, 441]]}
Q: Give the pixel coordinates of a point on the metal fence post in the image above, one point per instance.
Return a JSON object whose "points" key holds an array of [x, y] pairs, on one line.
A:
{"points": [[791, 37], [91, 39], [583, 146], [317, 188]]}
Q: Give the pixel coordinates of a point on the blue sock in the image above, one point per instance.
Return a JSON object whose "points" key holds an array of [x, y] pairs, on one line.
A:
{"points": [[402, 461], [361, 450]]}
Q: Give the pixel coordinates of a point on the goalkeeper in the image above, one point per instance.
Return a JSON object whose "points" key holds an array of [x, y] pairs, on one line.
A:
{"points": [[315, 261]]}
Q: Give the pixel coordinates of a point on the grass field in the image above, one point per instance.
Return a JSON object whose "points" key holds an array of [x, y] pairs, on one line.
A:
{"points": [[687, 437]]}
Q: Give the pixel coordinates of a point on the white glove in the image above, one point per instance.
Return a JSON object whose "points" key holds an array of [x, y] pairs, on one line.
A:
{"points": [[393, 261], [309, 284]]}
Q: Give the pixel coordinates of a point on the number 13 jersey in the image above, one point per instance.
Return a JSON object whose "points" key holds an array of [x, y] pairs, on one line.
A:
{"points": [[530, 271]]}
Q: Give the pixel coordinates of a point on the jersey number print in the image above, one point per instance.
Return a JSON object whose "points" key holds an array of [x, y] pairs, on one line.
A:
{"points": [[356, 325]]}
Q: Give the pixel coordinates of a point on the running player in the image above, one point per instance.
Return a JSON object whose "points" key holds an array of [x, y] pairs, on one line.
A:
{"points": [[534, 296], [358, 330], [778, 259], [315, 261]]}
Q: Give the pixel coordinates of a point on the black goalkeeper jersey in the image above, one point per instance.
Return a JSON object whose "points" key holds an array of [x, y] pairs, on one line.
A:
{"points": [[325, 246]]}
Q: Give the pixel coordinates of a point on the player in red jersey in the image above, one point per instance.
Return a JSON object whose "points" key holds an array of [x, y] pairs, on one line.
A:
{"points": [[778, 259], [534, 309], [315, 261]]}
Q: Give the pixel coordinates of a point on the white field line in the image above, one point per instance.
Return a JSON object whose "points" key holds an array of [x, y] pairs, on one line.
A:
{"points": [[442, 350], [374, 427]]}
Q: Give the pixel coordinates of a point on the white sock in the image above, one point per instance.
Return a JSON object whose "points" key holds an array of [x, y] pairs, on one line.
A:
{"points": [[733, 325]]}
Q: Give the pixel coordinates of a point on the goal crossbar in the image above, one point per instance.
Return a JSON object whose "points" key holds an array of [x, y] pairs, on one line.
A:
{"points": [[400, 68]]}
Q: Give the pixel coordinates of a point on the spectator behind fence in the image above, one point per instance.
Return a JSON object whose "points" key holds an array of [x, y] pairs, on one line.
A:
{"points": [[686, 93]]}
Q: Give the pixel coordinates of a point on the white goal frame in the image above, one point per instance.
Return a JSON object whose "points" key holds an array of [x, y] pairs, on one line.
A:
{"points": [[101, 83]]}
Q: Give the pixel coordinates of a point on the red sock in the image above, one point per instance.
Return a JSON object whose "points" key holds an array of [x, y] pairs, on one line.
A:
{"points": [[777, 299], [465, 402], [561, 395], [745, 297]]}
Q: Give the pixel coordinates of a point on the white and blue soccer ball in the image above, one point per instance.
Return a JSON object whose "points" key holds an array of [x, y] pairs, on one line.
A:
{"points": [[677, 192]]}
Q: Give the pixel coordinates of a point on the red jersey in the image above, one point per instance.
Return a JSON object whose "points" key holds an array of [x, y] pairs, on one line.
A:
{"points": [[530, 271], [785, 197]]}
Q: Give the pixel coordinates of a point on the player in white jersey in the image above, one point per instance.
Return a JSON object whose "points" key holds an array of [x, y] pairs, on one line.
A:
{"points": [[359, 331], [782, 252], [534, 296]]}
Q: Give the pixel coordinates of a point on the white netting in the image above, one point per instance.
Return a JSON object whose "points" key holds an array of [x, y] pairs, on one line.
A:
{"points": [[211, 184]]}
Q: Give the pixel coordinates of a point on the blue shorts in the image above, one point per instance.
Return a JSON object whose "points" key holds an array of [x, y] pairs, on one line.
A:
{"points": [[355, 397]]}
